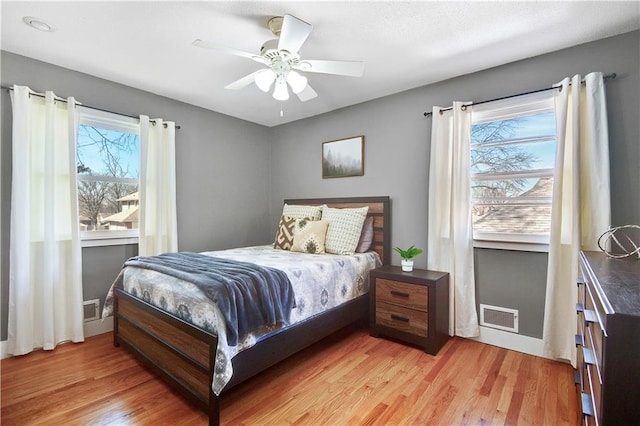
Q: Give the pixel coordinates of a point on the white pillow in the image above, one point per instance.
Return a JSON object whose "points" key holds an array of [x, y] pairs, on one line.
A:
{"points": [[345, 227], [300, 212]]}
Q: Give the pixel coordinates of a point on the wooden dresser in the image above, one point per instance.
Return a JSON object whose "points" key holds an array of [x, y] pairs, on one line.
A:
{"points": [[412, 307], [608, 339]]}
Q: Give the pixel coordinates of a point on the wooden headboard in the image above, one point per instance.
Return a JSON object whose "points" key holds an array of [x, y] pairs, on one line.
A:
{"points": [[379, 209]]}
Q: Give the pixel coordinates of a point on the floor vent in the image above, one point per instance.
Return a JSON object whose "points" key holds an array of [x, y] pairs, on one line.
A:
{"points": [[499, 317], [91, 309]]}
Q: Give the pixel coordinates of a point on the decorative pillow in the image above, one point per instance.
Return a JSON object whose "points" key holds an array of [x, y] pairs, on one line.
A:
{"points": [[284, 234], [300, 212], [366, 237], [309, 236], [345, 227]]}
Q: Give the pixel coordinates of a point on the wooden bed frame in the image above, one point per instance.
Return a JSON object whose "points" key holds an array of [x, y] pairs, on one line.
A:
{"points": [[184, 355]]}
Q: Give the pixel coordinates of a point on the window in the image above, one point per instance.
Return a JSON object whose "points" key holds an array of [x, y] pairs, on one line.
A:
{"points": [[108, 161], [513, 146]]}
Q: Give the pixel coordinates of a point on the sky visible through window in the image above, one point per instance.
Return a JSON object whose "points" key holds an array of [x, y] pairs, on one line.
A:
{"points": [[97, 146], [542, 153]]}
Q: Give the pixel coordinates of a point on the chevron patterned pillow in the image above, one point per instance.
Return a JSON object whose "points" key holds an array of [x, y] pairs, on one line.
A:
{"points": [[284, 234]]}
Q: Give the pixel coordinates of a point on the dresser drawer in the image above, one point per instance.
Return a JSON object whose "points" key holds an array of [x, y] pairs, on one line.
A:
{"points": [[402, 294], [594, 332], [596, 393], [593, 302], [591, 396], [403, 319], [593, 341]]}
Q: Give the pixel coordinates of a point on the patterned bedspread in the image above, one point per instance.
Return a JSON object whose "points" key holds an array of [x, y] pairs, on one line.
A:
{"points": [[320, 282]]}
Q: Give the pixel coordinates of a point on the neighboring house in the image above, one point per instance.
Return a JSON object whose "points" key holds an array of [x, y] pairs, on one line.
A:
{"points": [[85, 223], [525, 218], [127, 217]]}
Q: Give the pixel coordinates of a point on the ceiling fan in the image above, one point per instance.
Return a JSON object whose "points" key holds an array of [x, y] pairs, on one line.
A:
{"points": [[282, 57]]}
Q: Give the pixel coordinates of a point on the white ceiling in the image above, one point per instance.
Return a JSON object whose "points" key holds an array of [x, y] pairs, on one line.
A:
{"points": [[147, 45]]}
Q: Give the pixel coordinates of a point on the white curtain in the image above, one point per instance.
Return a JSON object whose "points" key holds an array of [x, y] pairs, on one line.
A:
{"points": [[158, 221], [581, 203], [450, 244], [45, 278]]}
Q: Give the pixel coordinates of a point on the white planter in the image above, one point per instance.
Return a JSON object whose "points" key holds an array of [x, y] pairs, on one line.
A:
{"points": [[407, 265]]}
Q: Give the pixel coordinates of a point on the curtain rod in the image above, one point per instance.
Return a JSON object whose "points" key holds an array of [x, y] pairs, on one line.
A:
{"points": [[429, 114], [90, 107]]}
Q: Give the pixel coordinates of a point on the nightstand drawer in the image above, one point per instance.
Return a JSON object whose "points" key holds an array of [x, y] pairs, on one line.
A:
{"points": [[402, 319], [402, 294]]}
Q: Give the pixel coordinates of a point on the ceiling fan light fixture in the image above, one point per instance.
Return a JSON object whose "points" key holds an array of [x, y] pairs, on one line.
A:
{"points": [[280, 92], [264, 79], [296, 81]]}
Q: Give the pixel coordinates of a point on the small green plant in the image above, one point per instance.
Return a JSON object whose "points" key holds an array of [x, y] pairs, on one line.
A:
{"points": [[409, 253]]}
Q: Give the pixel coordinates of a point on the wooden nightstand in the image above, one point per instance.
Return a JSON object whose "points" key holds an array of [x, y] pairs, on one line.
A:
{"points": [[410, 306]]}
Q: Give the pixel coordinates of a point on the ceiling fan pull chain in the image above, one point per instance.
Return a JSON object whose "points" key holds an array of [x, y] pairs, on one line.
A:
{"points": [[281, 112]]}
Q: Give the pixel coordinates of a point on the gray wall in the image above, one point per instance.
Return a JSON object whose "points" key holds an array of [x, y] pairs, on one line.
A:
{"points": [[100, 266], [397, 143], [222, 167]]}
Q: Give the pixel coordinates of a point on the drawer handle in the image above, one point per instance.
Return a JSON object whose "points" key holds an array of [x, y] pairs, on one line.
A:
{"points": [[399, 293], [577, 378], [579, 307], [590, 316], [580, 281], [588, 356], [587, 407], [579, 340], [399, 318]]}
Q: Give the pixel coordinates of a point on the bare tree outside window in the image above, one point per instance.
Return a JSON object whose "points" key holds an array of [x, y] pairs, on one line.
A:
{"points": [[512, 170], [489, 157], [107, 164]]}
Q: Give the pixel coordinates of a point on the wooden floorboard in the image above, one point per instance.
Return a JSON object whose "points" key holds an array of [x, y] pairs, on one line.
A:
{"points": [[349, 378]]}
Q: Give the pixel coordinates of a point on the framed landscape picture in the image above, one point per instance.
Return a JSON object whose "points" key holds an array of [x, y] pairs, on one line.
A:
{"points": [[343, 157]]}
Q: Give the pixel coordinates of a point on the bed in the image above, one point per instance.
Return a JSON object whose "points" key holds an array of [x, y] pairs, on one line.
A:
{"points": [[184, 355]]}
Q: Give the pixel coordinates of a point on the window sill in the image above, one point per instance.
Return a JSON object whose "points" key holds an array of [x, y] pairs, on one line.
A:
{"points": [[512, 245], [108, 241]]}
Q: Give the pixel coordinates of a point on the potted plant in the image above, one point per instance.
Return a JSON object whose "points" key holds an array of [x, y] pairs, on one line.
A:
{"points": [[407, 257]]}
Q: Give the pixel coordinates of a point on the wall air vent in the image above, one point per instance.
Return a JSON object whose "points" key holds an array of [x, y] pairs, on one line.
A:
{"points": [[499, 317], [91, 309]]}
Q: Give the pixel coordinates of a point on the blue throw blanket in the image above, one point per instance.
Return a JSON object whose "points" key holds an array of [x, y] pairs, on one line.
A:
{"points": [[250, 297]]}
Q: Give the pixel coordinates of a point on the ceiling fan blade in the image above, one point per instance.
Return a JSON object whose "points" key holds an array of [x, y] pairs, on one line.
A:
{"points": [[293, 34], [349, 68], [243, 82], [208, 45], [307, 94]]}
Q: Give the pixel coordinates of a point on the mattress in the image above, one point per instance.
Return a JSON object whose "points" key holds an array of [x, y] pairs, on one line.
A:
{"points": [[320, 282]]}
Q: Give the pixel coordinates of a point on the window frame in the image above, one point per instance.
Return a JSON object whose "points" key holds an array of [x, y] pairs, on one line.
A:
{"points": [[520, 106], [118, 123]]}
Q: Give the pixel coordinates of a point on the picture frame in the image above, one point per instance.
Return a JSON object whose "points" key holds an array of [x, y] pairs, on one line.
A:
{"points": [[343, 157]]}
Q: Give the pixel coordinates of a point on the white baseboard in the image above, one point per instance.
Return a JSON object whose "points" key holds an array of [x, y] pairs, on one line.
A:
{"points": [[3, 350], [508, 340], [91, 328]]}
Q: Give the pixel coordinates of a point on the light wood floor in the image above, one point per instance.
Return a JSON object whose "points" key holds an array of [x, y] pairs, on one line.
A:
{"points": [[349, 378]]}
